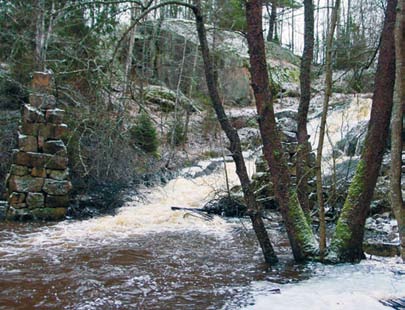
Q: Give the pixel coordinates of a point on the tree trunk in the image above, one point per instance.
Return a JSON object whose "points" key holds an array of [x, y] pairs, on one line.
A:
{"points": [[272, 21], [397, 201], [348, 238], [40, 37], [129, 57], [301, 238], [292, 31], [328, 93], [235, 146], [305, 85]]}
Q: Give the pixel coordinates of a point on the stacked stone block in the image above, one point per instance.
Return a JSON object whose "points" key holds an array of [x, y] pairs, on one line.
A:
{"points": [[38, 183]]}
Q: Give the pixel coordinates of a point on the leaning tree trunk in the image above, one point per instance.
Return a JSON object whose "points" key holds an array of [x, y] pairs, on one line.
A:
{"points": [[301, 238], [327, 95], [348, 237], [303, 149], [397, 201], [235, 145]]}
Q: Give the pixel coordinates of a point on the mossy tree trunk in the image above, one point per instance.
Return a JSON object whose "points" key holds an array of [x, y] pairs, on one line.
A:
{"points": [[397, 201], [300, 235], [235, 145], [347, 241], [302, 132], [322, 128]]}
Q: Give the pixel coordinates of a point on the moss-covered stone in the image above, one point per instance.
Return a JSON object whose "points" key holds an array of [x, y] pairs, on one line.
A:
{"points": [[35, 200], [56, 187], [382, 249], [49, 214], [25, 184], [16, 214], [58, 174], [18, 170], [167, 99]]}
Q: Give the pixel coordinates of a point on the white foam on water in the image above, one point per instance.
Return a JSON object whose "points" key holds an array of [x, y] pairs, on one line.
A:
{"points": [[152, 216]]}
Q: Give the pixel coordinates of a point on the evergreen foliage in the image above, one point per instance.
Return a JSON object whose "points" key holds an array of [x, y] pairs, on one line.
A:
{"points": [[233, 16], [144, 134]]}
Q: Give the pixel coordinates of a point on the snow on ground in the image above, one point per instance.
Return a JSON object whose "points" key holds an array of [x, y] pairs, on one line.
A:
{"points": [[346, 286]]}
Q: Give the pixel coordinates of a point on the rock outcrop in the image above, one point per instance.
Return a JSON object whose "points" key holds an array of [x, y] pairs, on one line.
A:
{"points": [[38, 182]]}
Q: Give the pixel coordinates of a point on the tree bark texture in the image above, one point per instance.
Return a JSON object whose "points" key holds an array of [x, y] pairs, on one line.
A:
{"points": [[235, 145], [305, 85], [397, 201], [300, 235], [348, 238]]}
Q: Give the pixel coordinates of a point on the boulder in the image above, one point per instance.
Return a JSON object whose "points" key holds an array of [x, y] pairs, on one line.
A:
{"points": [[167, 99], [385, 249], [249, 137]]}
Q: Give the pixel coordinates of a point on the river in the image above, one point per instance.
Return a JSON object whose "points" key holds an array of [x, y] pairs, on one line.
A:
{"points": [[149, 257]]}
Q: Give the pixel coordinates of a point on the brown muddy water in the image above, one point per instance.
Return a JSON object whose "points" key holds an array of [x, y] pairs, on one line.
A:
{"points": [[149, 257]]}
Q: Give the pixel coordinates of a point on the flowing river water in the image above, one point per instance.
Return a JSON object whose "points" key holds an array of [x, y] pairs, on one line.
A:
{"points": [[150, 257]]}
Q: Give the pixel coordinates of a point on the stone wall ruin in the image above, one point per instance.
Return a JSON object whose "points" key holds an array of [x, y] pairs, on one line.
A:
{"points": [[38, 183]]}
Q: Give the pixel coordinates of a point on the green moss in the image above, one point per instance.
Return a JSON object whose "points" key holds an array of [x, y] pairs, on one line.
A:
{"points": [[342, 236], [277, 154], [357, 185], [304, 232], [293, 74]]}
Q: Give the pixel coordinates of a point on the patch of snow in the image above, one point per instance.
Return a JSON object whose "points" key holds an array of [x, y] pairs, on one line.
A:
{"points": [[346, 286]]}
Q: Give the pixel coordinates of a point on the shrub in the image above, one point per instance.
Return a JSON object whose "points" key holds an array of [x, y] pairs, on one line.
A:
{"points": [[144, 134]]}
